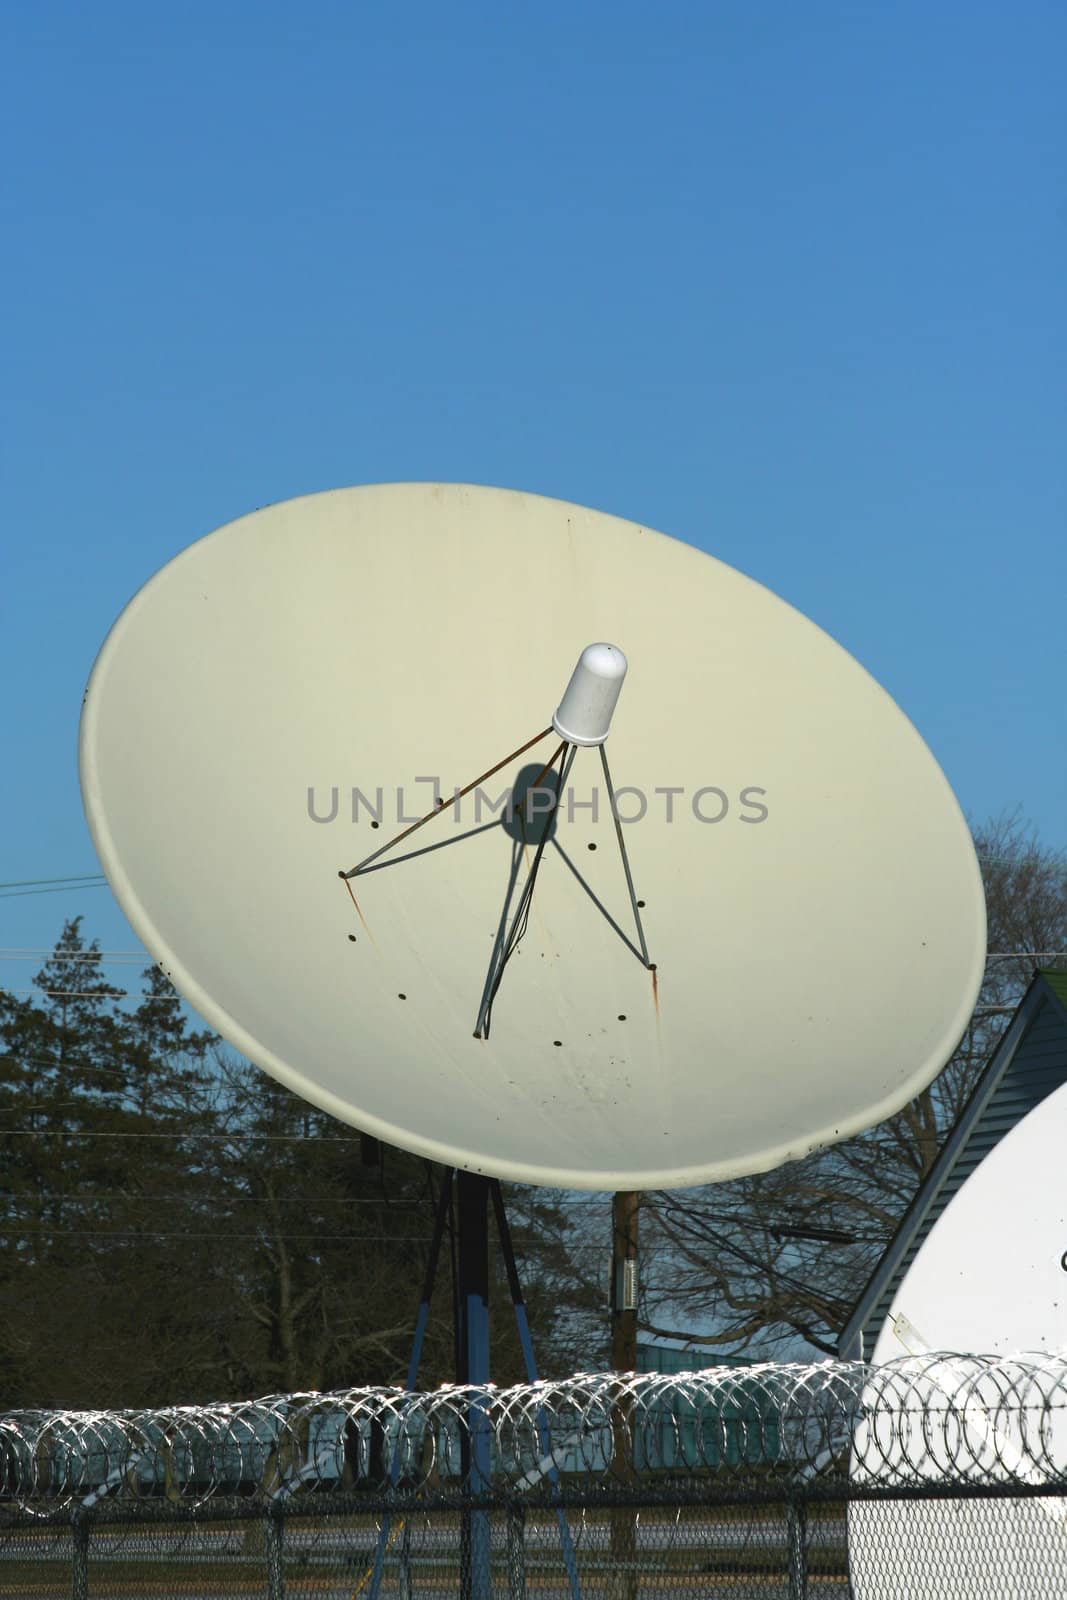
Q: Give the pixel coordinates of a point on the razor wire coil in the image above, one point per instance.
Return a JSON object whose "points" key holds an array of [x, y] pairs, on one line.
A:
{"points": [[931, 1422]]}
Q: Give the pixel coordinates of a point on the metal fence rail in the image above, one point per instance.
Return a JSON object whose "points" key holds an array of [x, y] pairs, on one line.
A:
{"points": [[933, 1476]]}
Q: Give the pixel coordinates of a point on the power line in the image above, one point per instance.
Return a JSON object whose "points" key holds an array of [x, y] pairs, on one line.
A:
{"points": [[94, 953], [96, 957], [1026, 955], [127, 1075], [105, 993], [94, 1133], [98, 1197], [1033, 859], [65, 888], [322, 1238], [66, 877], [151, 1233], [49, 950]]}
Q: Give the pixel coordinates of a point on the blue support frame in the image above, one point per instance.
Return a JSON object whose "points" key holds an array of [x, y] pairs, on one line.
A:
{"points": [[421, 1321], [518, 1303], [476, 1464], [474, 1193]]}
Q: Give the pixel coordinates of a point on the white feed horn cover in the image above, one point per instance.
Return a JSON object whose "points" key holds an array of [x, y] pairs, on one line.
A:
{"points": [[584, 714]]}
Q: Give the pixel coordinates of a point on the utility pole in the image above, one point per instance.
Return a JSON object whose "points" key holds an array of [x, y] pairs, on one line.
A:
{"points": [[624, 1213], [625, 1206]]}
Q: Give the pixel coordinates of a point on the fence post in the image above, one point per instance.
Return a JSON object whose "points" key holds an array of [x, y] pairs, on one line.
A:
{"points": [[797, 1514], [275, 1573], [79, 1577], [516, 1548], [403, 1575]]}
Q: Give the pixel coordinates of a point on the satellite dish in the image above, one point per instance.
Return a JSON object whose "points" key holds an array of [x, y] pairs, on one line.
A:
{"points": [[992, 1272], [991, 1276], [786, 950]]}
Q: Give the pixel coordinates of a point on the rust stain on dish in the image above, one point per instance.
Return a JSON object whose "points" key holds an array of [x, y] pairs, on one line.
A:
{"points": [[359, 913], [655, 990]]}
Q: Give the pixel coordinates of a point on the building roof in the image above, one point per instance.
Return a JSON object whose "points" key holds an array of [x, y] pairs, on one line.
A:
{"points": [[669, 1359], [1057, 982], [1029, 1063]]}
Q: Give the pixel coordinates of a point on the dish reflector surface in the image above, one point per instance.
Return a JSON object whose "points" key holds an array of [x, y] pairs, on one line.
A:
{"points": [[809, 889]]}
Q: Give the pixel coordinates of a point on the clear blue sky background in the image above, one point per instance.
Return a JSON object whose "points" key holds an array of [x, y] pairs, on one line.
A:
{"points": [[786, 281]]}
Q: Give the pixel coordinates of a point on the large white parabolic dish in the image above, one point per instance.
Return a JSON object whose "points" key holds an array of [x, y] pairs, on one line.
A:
{"points": [[811, 896]]}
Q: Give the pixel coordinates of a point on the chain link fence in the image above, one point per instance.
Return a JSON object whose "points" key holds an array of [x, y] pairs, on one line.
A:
{"points": [[936, 1476]]}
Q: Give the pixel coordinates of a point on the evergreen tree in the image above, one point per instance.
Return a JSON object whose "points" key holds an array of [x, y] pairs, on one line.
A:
{"points": [[98, 1108], [177, 1226]]}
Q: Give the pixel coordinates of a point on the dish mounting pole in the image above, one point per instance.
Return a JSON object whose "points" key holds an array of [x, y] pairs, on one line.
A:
{"points": [[472, 1273], [472, 1193]]}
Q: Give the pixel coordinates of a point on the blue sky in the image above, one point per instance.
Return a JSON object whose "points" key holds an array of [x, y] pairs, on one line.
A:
{"points": [[784, 281]]}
